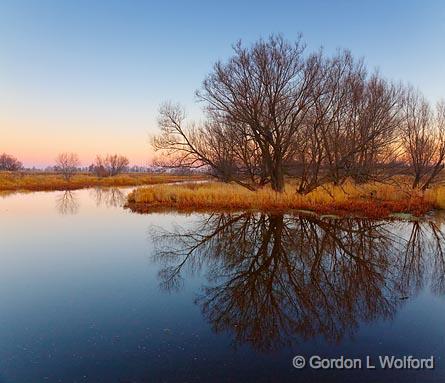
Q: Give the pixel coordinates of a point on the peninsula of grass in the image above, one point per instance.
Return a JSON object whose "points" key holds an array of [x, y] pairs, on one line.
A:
{"points": [[21, 181], [369, 200]]}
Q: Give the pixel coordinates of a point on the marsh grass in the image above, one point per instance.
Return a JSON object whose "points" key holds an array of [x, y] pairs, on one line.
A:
{"points": [[15, 181], [370, 200]]}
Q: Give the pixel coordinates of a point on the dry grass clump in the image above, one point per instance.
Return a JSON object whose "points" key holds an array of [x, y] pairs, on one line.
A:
{"points": [[436, 196], [370, 200], [51, 181]]}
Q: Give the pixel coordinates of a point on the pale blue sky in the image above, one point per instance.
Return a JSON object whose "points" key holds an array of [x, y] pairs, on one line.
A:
{"points": [[88, 76]]}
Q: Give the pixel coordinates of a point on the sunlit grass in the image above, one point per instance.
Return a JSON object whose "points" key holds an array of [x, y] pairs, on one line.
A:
{"points": [[372, 200], [49, 181], [436, 196]]}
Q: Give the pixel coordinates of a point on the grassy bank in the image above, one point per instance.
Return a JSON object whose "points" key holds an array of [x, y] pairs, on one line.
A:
{"points": [[370, 200], [48, 181]]}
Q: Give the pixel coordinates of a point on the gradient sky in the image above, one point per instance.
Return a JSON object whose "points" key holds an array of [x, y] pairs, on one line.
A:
{"points": [[88, 76]]}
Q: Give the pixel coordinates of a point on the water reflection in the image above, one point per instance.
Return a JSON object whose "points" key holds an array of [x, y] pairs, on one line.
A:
{"points": [[109, 197], [67, 202], [424, 260], [274, 279]]}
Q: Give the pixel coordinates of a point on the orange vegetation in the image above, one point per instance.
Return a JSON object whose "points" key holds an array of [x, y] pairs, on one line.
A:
{"points": [[50, 181], [369, 200]]}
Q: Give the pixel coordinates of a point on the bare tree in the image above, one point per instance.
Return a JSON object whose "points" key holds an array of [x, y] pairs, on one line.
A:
{"points": [[423, 139], [273, 111], [110, 165], [181, 143], [210, 144], [255, 103], [264, 92], [67, 164], [9, 163], [351, 129], [369, 126], [116, 164]]}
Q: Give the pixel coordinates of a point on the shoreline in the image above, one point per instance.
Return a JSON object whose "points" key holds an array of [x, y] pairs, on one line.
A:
{"points": [[369, 211], [29, 182]]}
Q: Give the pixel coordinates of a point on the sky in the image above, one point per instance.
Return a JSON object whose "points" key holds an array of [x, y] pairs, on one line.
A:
{"points": [[88, 76]]}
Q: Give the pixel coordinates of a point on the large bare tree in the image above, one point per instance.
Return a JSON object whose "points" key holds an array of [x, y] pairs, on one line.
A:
{"points": [[255, 104], [274, 111], [351, 128], [264, 92]]}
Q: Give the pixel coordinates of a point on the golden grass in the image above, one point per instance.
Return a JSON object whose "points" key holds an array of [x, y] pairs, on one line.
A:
{"points": [[436, 196], [370, 200], [48, 181]]}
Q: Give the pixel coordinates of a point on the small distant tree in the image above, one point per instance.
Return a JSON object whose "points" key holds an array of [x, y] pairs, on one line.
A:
{"points": [[98, 168], [116, 164], [9, 163], [110, 165], [67, 164]]}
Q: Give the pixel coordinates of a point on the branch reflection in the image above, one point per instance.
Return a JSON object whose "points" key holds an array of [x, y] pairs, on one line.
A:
{"points": [[67, 203], [274, 279], [109, 197]]}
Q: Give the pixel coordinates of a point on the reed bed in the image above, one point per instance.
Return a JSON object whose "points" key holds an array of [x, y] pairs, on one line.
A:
{"points": [[13, 181], [369, 200]]}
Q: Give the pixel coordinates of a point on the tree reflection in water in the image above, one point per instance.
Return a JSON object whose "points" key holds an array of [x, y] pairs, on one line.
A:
{"points": [[274, 278], [67, 203], [109, 197]]}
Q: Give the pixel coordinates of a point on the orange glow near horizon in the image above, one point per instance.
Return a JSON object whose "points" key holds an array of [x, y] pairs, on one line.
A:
{"points": [[38, 142]]}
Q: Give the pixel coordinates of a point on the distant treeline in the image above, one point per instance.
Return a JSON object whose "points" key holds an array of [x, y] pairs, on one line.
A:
{"points": [[272, 110], [68, 164]]}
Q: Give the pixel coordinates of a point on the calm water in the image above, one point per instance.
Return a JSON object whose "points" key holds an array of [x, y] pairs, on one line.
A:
{"points": [[90, 292]]}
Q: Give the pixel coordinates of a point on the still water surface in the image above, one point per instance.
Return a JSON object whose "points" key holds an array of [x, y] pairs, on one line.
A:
{"points": [[90, 292]]}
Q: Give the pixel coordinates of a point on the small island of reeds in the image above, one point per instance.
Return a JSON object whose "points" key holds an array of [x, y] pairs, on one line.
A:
{"points": [[371, 200]]}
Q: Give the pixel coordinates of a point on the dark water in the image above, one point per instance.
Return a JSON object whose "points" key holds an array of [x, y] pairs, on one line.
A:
{"points": [[90, 292]]}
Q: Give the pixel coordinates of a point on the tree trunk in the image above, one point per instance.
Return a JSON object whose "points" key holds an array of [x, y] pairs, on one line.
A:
{"points": [[277, 178]]}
